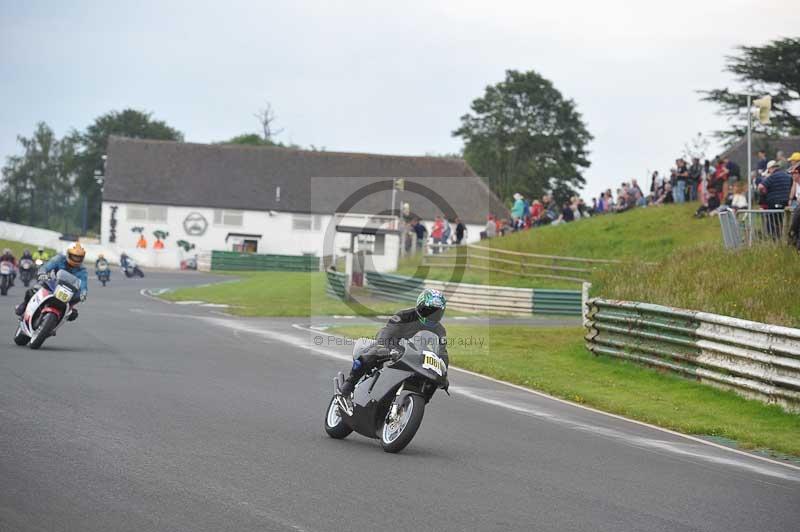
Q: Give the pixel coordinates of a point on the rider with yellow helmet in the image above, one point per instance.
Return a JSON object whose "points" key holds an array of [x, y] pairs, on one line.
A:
{"points": [[72, 261]]}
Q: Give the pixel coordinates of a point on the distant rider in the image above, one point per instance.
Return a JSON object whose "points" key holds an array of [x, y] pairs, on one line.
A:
{"points": [[7, 256], [72, 262], [100, 260], [426, 315], [41, 255], [124, 260]]}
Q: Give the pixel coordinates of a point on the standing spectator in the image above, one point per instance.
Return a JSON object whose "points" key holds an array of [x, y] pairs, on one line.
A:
{"points": [[695, 176], [776, 187], [421, 231], [638, 195], [794, 228], [517, 210], [761, 165], [601, 204], [794, 159], [461, 229], [780, 158], [681, 178], [721, 179], [655, 185], [536, 212], [491, 228], [142, 242], [436, 233], [447, 232]]}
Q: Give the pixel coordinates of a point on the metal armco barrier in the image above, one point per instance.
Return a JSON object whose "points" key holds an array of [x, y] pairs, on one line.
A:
{"points": [[336, 285], [478, 298], [232, 261], [755, 360]]}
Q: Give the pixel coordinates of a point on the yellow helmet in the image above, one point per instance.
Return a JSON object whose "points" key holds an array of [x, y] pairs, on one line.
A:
{"points": [[75, 255]]}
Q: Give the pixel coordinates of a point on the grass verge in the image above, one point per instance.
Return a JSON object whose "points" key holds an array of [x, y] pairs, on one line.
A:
{"points": [[556, 362], [761, 283], [276, 294]]}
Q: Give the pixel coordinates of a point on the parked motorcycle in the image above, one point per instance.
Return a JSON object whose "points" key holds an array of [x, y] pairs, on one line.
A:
{"points": [[47, 309], [27, 271], [388, 404], [6, 271], [132, 270], [103, 272]]}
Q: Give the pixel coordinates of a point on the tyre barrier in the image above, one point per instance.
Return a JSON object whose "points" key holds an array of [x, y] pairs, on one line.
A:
{"points": [[755, 360]]}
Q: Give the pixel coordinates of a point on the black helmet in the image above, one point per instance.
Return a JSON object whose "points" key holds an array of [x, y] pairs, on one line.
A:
{"points": [[430, 306]]}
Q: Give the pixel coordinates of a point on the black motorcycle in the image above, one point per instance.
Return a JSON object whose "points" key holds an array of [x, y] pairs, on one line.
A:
{"points": [[27, 271], [388, 404]]}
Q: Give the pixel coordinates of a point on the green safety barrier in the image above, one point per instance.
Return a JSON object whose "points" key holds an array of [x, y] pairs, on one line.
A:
{"points": [[233, 261], [336, 286], [394, 287], [545, 301]]}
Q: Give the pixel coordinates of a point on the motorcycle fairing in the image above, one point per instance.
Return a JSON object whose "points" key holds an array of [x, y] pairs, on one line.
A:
{"points": [[371, 398]]}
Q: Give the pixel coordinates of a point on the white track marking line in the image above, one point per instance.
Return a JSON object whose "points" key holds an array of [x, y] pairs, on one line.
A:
{"points": [[594, 410], [232, 323]]}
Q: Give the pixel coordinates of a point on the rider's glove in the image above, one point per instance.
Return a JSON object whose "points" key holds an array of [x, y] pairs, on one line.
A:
{"points": [[395, 354], [83, 298]]}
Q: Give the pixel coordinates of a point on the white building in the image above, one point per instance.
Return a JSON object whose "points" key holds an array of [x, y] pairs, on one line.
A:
{"points": [[276, 200]]}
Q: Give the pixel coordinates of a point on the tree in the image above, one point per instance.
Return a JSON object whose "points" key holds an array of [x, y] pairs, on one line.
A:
{"points": [[770, 69], [92, 145], [266, 118], [37, 186], [696, 148], [524, 136]]}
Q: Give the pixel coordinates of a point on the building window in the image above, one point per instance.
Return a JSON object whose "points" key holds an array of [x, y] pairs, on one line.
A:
{"points": [[301, 222], [146, 213], [136, 213], [157, 213], [223, 217]]}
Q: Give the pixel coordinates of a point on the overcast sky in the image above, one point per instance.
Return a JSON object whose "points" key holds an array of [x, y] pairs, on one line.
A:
{"points": [[383, 77]]}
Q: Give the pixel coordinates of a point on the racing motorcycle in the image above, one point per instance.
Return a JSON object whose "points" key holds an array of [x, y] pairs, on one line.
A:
{"points": [[388, 403], [47, 309], [6, 271], [132, 270], [103, 272], [27, 271]]}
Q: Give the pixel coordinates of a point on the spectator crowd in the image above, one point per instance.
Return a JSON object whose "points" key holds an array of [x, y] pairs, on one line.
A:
{"points": [[718, 185]]}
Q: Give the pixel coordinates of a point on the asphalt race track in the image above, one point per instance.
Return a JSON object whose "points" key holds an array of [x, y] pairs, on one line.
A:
{"points": [[144, 415]]}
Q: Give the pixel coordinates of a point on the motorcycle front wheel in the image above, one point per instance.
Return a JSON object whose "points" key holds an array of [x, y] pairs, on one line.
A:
{"points": [[398, 432], [4, 285], [46, 326], [334, 424]]}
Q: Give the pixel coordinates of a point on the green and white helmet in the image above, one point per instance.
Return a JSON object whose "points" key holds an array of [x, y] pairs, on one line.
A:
{"points": [[430, 306]]}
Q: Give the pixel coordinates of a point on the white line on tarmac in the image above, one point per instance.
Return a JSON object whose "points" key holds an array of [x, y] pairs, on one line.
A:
{"points": [[638, 441]]}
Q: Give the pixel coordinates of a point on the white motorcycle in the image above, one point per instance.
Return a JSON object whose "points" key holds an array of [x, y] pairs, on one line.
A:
{"points": [[47, 309], [6, 271]]}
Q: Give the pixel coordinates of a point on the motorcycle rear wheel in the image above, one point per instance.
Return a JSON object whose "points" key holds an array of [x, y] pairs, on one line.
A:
{"points": [[396, 435], [334, 424], [42, 333]]}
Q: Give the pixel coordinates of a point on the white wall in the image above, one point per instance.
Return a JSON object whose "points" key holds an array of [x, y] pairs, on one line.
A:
{"points": [[277, 235]]}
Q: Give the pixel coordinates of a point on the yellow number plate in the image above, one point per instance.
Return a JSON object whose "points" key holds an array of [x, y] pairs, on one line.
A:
{"points": [[434, 363], [62, 294]]}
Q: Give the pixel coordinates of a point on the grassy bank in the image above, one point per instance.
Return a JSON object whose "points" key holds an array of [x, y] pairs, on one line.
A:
{"points": [[555, 361], [275, 294], [642, 235], [761, 283], [18, 247]]}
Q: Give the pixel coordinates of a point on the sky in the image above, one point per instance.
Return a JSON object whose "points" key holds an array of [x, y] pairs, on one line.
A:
{"points": [[379, 77]]}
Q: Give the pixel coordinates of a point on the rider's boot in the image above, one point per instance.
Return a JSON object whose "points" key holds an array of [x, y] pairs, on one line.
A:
{"points": [[73, 315]]}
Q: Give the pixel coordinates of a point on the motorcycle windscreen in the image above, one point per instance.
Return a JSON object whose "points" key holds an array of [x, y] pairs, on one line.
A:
{"points": [[64, 277], [426, 341]]}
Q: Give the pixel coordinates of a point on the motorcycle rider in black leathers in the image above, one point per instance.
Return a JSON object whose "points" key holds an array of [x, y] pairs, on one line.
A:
{"points": [[426, 315]]}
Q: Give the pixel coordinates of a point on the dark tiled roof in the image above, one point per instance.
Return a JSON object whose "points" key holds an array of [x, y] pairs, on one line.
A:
{"points": [[738, 152], [246, 177]]}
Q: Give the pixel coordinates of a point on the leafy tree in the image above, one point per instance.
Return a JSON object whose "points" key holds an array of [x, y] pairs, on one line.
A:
{"points": [[770, 69], [524, 136], [37, 186], [92, 145]]}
